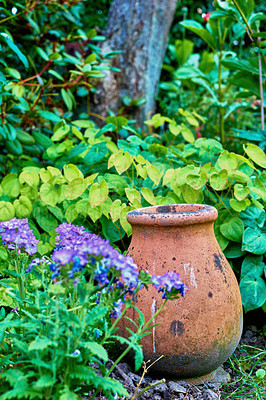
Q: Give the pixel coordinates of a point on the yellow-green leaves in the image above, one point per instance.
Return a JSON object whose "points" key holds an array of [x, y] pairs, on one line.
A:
{"points": [[10, 185], [218, 180], [256, 154], [7, 211], [227, 161], [71, 172], [148, 196], [75, 188], [232, 229], [98, 193], [50, 194], [134, 197], [241, 192], [31, 178], [197, 181], [121, 161], [23, 207], [154, 174]]}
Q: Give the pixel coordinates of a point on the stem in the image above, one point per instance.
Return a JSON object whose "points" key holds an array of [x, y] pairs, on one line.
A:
{"points": [[261, 93], [220, 90]]}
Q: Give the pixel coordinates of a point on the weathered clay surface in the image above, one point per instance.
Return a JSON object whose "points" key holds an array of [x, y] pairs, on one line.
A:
{"points": [[198, 332]]}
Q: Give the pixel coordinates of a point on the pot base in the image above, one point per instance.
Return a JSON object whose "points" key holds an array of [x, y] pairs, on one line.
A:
{"points": [[216, 377]]}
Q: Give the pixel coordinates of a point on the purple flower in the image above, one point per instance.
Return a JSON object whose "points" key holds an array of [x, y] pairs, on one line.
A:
{"points": [[35, 262], [117, 310], [168, 282], [16, 234], [78, 247], [75, 353], [15, 310]]}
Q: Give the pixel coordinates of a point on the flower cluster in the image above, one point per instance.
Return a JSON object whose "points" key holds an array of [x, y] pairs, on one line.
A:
{"points": [[16, 234], [116, 276], [169, 282], [34, 263]]}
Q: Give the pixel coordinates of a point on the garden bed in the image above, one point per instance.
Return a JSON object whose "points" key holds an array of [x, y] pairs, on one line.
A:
{"points": [[249, 357]]}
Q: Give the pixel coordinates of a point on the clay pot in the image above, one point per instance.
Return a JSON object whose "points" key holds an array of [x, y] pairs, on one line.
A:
{"points": [[199, 331]]}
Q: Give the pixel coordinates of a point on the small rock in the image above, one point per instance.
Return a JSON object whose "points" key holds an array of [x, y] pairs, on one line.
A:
{"points": [[221, 376], [124, 367], [210, 395], [176, 387], [159, 388], [135, 378]]}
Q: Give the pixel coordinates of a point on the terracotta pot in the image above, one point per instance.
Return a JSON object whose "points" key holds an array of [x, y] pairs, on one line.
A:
{"points": [[199, 331]]}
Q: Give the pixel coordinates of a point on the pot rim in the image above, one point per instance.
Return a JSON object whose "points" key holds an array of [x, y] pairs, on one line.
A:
{"points": [[173, 214]]}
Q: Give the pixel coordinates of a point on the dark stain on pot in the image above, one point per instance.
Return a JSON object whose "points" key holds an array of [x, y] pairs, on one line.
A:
{"points": [[164, 209], [210, 294], [217, 261], [177, 328]]}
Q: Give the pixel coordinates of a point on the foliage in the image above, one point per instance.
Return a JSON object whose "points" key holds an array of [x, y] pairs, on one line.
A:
{"points": [[208, 76], [51, 63], [53, 342], [137, 172]]}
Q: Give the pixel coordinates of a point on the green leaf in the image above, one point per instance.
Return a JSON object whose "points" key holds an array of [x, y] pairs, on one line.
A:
{"points": [[10, 185], [115, 210], [218, 180], [154, 174], [189, 194], [44, 219], [133, 195], [3, 254], [82, 207], [7, 211], [40, 343], [16, 50], [253, 292], [256, 154], [45, 381], [23, 207], [122, 161], [97, 350], [95, 213], [71, 172], [197, 28], [31, 178], [123, 221], [252, 265], [49, 115], [61, 129], [50, 194], [98, 193], [232, 229], [254, 241], [238, 205], [67, 99], [240, 191], [148, 196], [227, 161], [110, 231], [253, 216], [71, 213], [75, 188], [118, 122], [197, 181]]}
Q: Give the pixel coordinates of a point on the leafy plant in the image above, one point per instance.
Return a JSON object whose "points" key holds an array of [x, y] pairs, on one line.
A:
{"points": [[53, 341]]}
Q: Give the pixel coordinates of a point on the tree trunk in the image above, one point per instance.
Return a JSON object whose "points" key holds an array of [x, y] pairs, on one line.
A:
{"points": [[139, 28]]}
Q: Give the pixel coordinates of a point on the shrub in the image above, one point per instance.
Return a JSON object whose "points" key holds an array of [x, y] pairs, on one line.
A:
{"points": [[53, 340]]}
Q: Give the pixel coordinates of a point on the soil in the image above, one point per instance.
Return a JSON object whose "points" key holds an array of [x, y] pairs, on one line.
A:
{"points": [[180, 390]]}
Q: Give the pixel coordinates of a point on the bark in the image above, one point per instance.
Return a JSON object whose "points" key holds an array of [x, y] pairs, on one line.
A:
{"points": [[139, 28]]}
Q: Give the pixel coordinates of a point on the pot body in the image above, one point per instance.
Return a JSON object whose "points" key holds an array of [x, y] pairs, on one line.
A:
{"points": [[199, 331]]}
